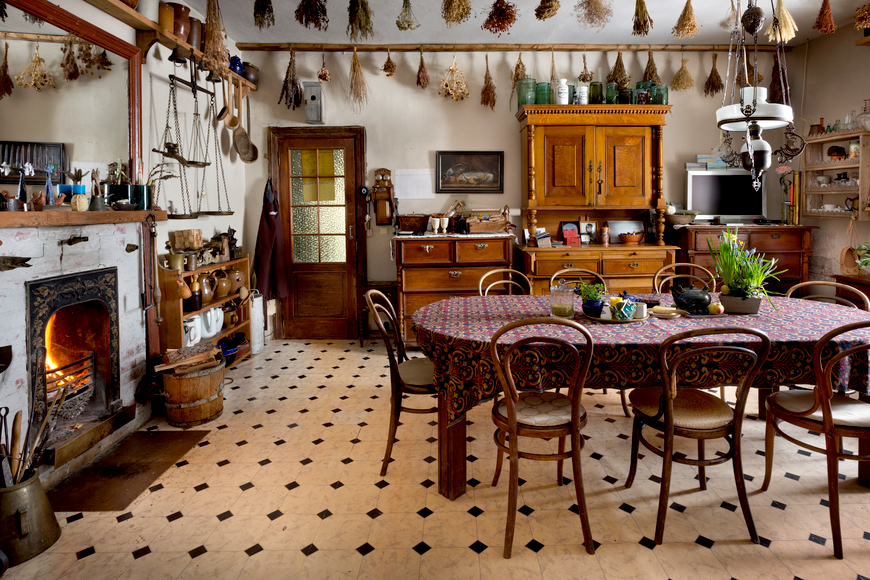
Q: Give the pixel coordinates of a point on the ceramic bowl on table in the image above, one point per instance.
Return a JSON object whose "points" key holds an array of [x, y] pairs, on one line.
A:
{"points": [[631, 239]]}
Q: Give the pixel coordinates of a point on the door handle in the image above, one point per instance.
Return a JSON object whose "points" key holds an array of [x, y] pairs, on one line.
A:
{"points": [[481, 246], [591, 180], [600, 181], [427, 248], [634, 265], [775, 236], [568, 265], [350, 229], [455, 273]]}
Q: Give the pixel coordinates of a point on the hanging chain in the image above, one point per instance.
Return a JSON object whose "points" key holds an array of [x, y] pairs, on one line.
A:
{"points": [[182, 170], [219, 174], [209, 117]]}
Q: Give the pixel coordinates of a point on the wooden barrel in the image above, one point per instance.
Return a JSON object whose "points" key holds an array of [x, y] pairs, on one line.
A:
{"points": [[194, 398]]}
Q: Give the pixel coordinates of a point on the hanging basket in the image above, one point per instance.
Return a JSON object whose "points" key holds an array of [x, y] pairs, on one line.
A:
{"points": [[848, 258], [739, 305]]}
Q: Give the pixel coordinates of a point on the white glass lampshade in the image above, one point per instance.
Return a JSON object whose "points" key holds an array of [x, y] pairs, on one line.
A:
{"points": [[767, 115]]}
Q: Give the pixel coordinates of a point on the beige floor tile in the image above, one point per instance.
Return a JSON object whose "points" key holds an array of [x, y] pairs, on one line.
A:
{"points": [[437, 502], [563, 563], [343, 532], [384, 564], [396, 531], [548, 496], [491, 527], [449, 564], [215, 566], [561, 527], [81, 534], [355, 499], [718, 524], [307, 499], [747, 560], [522, 565], [276, 473], [331, 565], [166, 566], [449, 530], [98, 567], [402, 498], [689, 561], [212, 501], [268, 565], [184, 534], [290, 532], [629, 561], [811, 561], [678, 528], [320, 473], [234, 474], [164, 502], [237, 533], [259, 500], [362, 471], [189, 475], [132, 534], [46, 566]]}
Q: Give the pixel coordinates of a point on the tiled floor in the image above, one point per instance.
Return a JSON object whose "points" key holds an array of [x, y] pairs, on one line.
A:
{"points": [[286, 486]]}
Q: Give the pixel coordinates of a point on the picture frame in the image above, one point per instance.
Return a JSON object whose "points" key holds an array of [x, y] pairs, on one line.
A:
{"points": [[469, 172], [623, 227], [568, 226], [590, 229]]}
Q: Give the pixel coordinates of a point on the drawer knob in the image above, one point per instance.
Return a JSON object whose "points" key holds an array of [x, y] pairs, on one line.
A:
{"points": [[481, 246], [775, 236], [568, 265], [634, 265], [427, 248], [455, 273]]}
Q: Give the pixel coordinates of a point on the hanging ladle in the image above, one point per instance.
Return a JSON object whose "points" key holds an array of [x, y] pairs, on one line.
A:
{"points": [[241, 142], [223, 112], [232, 121]]}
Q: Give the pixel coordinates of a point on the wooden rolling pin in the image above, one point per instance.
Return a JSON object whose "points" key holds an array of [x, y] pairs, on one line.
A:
{"points": [[15, 443]]}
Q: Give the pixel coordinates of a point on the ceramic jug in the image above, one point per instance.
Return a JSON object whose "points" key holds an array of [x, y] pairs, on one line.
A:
{"points": [[207, 284], [231, 318], [212, 321], [222, 284], [192, 330], [237, 279]]}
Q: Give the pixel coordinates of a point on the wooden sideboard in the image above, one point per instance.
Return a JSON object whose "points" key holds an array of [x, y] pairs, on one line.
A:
{"points": [[433, 268], [792, 247], [859, 282]]}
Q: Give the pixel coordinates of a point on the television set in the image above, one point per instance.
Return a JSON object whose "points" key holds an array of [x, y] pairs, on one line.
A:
{"points": [[728, 192]]}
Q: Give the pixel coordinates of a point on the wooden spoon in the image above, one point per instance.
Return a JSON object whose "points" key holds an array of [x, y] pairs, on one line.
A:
{"points": [[254, 152], [223, 112], [241, 142], [232, 121]]}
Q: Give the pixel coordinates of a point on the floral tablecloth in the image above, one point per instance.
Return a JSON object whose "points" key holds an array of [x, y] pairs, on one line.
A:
{"points": [[455, 335]]}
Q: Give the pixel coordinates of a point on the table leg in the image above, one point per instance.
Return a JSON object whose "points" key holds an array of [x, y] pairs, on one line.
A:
{"points": [[763, 392], [451, 453]]}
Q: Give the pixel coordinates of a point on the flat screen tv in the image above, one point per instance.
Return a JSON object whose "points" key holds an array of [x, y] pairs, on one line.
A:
{"points": [[725, 193]]}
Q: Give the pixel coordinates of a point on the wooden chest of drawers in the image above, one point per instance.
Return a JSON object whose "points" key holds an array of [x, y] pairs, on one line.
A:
{"points": [[435, 268]]}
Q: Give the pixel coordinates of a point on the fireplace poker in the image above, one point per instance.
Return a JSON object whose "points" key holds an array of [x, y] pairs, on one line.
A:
{"points": [[26, 460]]}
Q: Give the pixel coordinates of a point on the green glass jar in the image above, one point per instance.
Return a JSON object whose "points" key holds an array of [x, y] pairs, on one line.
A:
{"points": [[542, 94], [612, 91], [526, 91], [596, 93], [660, 94]]}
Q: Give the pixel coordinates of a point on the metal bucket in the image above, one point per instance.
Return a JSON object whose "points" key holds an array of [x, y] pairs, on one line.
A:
{"points": [[27, 523]]}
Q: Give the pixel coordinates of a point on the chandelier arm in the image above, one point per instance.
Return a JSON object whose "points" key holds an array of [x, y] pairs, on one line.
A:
{"points": [[793, 146]]}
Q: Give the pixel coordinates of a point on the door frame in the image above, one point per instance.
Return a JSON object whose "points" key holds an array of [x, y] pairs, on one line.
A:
{"points": [[358, 134]]}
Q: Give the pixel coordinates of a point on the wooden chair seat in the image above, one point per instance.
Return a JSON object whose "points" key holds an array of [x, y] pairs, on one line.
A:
{"points": [[846, 412], [417, 373], [693, 409], [547, 409]]}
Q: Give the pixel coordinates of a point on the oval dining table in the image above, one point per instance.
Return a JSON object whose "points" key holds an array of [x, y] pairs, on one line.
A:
{"points": [[455, 334]]}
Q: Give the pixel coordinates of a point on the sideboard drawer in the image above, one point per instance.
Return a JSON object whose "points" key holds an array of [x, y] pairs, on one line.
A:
{"points": [[637, 265], [441, 279], [426, 251], [483, 251], [776, 241], [715, 236]]}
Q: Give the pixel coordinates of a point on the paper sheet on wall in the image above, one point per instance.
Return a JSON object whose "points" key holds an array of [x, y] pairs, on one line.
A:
{"points": [[414, 183]]}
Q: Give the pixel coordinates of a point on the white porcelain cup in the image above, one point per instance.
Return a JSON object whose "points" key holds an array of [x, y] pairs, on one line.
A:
{"points": [[444, 223], [192, 330], [640, 310], [433, 224], [212, 321], [829, 206]]}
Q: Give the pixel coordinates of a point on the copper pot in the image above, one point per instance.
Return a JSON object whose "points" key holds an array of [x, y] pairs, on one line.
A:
{"points": [[181, 28]]}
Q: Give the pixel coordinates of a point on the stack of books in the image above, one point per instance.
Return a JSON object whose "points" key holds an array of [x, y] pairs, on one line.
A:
{"points": [[712, 161]]}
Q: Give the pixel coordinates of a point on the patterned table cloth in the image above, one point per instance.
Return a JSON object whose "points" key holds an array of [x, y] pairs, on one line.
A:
{"points": [[455, 335]]}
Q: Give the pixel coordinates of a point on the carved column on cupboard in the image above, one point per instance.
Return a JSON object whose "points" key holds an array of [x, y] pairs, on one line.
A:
{"points": [[658, 182]]}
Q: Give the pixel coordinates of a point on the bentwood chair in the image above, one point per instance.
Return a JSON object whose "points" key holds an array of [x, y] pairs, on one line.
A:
{"points": [[542, 413], [667, 273], [824, 412], [578, 275], [514, 278], [678, 410], [408, 376], [859, 296]]}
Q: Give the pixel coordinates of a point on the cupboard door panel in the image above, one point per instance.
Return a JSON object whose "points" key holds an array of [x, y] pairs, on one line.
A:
{"points": [[566, 153], [626, 156]]}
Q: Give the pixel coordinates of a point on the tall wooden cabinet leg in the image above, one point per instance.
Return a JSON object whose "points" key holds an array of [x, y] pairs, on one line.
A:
{"points": [[451, 452]]}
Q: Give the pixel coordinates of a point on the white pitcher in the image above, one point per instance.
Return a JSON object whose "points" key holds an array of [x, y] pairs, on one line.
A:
{"points": [[193, 330], [212, 321]]}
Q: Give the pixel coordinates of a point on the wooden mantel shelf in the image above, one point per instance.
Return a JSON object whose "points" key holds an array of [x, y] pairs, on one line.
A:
{"points": [[35, 219]]}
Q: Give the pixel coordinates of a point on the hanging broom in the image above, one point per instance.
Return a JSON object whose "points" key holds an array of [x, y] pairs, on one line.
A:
{"points": [[651, 72], [862, 17], [358, 91], [825, 22], [264, 16], [312, 13], [748, 77], [422, 73], [593, 13], [547, 9], [215, 53], [359, 23], [502, 15], [453, 84], [642, 21], [683, 80], [291, 91], [714, 81], [455, 11], [618, 75], [487, 94], [389, 66], [68, 63], [517, 73], [686, 26], [3, 13], [787, 26]]}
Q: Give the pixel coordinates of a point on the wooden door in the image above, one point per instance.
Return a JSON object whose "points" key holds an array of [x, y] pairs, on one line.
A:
{"points": [[563, 171], [625, 156], [319, 171]]}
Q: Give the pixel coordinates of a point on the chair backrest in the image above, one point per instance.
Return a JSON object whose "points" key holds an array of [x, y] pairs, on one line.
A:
{"points": [[668, 273], [381, 307], [837, 299], [578, 275], [571, 368], [512, 280], [677, 349]]}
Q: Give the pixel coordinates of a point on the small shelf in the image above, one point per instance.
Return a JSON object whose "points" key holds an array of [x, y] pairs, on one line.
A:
{"points": [[831, 191], [212, 267], [33, 219], [850, 164], [227, 331], [213, 304], [836, 136]]}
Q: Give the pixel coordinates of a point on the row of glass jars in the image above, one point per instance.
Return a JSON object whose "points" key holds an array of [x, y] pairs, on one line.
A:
{"points": [[595, 93]]}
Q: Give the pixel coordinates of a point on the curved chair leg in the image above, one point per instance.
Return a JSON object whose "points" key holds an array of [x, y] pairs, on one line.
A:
{"points": [[769, 436], [834, 495], [576, 446], [635, 446], [499, 437], [560, 462], [395, 411], [624, 402], [702, 471], [737, 460], [514, 461], [664, 493]]}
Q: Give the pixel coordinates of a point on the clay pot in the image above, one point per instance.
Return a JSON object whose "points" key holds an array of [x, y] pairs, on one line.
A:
{"points": [[231, 318], [131, 3], [252, 73], [237, 279], [166, 18], [207, 288], [194, 39], [222, 284], [182, 21]]}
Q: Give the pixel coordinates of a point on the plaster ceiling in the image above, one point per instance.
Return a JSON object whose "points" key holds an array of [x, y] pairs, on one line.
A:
{"points": [[561, 29]]}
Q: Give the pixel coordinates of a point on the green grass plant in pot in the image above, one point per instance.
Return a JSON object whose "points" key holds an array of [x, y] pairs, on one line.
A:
{"points": [[592, 295], [744, 274]]}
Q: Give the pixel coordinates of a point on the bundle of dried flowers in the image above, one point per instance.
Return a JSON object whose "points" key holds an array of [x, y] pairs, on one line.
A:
{"points": [[359, 20], [30, 18], [103, 62], [487, 94], [686, 26], [455, 11], [323, 75], [264, 16], [748, 77], [642, 21], [787, 26], [389, 66], [407, 20], [517, 73], [453, 84], [35, 74], [69, 65], [6, 84], [216, 55], [358, 90], [593, 13], [683, 80], [586, 75], [85, 55], [3, 13], [291, 90], [651, 72], [730, 20], [618, 75], [714, 81], [825, 22], [422, 73], [502, 15], [862, 17], [312, 13], [776, 92], [547, 9]]}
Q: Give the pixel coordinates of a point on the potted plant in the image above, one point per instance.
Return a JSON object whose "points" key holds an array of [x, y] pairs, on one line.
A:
{"points": [[592, 295], [744, 274]]}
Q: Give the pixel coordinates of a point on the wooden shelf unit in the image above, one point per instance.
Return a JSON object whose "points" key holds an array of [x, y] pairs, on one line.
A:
{"points": [[173, 313], [34, 219], [814, 196]]}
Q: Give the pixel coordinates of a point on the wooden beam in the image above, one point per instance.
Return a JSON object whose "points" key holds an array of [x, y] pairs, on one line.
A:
{"points": [[56, 38], [309, 47], [32, 219]]}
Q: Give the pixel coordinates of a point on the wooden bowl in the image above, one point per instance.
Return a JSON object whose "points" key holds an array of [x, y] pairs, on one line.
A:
{"points": [[631, 239], [679, 218]]}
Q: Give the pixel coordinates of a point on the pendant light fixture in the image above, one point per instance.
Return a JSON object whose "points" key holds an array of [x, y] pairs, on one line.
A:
{"points": [[745, 107]]}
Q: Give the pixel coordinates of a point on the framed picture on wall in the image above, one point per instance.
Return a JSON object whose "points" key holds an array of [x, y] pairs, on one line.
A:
{"points": [[469, 172]]}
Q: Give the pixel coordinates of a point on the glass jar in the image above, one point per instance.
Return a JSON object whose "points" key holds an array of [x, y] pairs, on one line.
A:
{"points": [[526, 91], [612, 91], [562, 301], [562, 92], [864, 116], [596, 93], [542, 94], [641, 97], [659, 94], [583, 93], [624, 96]]}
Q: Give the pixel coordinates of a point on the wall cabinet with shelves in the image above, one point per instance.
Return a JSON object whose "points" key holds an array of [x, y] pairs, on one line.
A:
{"points": [[830, 185]]}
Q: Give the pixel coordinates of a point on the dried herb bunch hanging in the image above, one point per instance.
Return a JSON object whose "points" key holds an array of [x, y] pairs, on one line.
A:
{"points": [[216, 55], [547, 9], [618, 75], [6, 84], [422, 73], [686, 26], [85, 55], [642, 22], [407, 20], [68, 63], [593, 13], [862, 17], [502, 15], [3, 14], [264, 16], [35, 74], [103, 62], [747, 76], [825, 22], [651, 72], [714, 81], [291, 90], [586, 75], [312, 13], [683, 80], [518, 72], [359, 24], [554, 78], [389, 66], [358, 90], [487, 94], [775, 91], [787, 26], [30, 18], [323, 75], [730, 20], [455, 11], [453, 84]]}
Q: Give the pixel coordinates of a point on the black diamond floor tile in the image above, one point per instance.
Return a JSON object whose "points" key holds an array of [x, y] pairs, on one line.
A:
{"points": [[225, 515], [526, 510], [375, 513], [422, 548], [86, 552], [365, 549], [728, 506], [309, 549], [647, 543], [535, 546], [255, 549], [475, 511], [706, 542], [141, 552], [478, 547], [197, 552]]}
